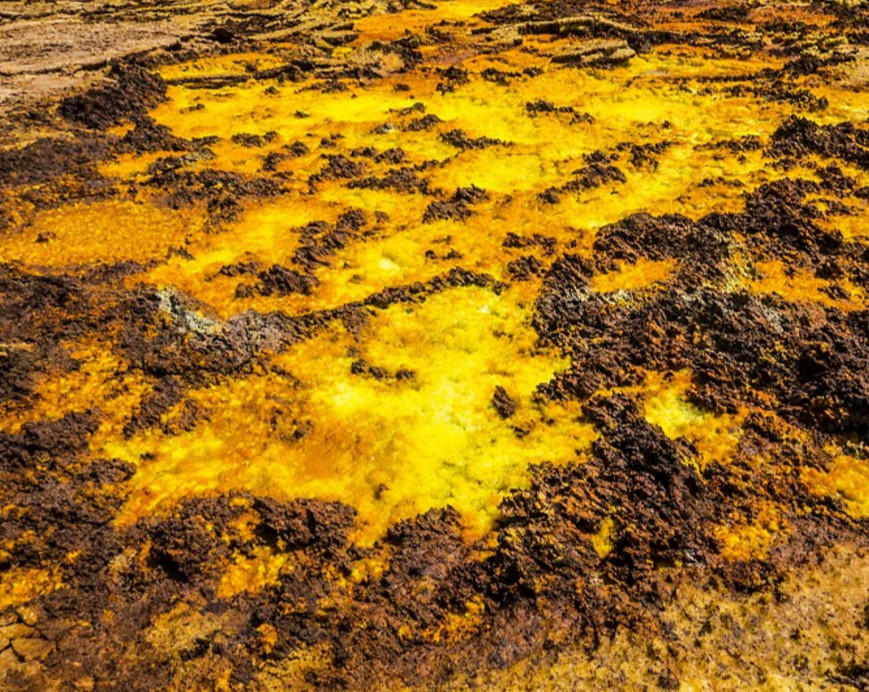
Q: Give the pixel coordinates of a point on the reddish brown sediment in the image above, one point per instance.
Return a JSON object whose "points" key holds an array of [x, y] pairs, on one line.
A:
{"points": [[431, 346]]}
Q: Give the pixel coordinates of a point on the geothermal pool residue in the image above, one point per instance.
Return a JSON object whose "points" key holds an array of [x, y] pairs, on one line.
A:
{"points": [[440, 345]]}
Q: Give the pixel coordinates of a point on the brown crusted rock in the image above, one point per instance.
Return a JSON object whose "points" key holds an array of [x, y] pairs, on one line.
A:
{"points": [[586, 178], [504, 404], [338, 38], [594, 549], [597, 52], [304, 522], [797, 137], [339, 167], [426, 122], [460, 140], [17, 371], [32, 648], [278, 280], [134, 89], [14, 631], [583, 25], [732, 13], [658, 238], [524, 268], [47, 440], [456, 208], [46, 159], [404, 179]]}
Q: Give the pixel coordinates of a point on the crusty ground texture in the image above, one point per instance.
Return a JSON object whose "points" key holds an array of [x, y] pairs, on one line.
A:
{"points": [[434, 345]]}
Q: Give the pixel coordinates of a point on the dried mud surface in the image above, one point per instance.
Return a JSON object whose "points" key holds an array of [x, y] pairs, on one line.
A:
{"points": [[422, 345]]}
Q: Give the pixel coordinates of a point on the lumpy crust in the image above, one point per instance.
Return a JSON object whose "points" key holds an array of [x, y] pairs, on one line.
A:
{"points": [[410, 346]]}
